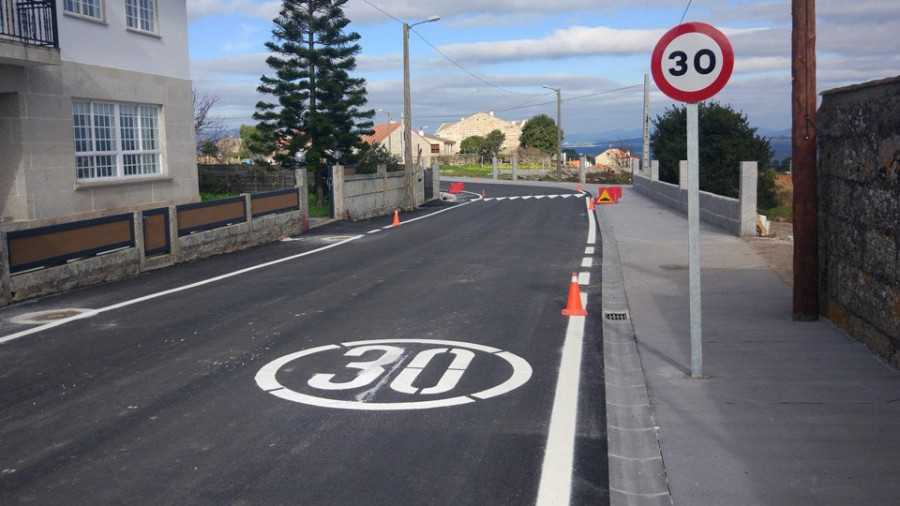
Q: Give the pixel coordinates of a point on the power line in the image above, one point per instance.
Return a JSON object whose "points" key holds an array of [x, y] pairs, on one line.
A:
{"points": [[682, 16]]}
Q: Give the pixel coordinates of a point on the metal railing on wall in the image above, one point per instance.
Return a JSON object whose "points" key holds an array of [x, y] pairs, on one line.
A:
{"points": [[29, 21]]}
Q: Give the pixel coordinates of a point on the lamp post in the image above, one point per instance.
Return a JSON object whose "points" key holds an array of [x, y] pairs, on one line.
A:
{"points": [[407, 114], [558, 129]]}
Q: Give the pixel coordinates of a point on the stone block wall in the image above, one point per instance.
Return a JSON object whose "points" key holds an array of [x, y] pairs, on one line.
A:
{"points": [[859, 213], [365, 196]]}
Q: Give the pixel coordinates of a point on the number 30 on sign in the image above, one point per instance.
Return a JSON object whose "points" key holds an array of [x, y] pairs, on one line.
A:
{"points": [[692, 62]]}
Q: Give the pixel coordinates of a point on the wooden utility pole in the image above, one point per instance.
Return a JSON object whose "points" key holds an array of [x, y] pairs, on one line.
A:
{"points": [[803, 148]]}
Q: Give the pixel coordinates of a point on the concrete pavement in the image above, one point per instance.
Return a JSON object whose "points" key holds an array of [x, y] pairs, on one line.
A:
{"points": [[790, 412]]}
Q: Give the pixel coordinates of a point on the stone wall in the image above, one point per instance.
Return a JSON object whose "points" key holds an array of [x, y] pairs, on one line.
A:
{"points": [[859, 213], [129, 262], [736, 216], [363, 196]]}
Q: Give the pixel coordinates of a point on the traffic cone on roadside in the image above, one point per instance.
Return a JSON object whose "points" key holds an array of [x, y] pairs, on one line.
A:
{"points": [[591, 204], [574, 307], [396, 219], [579, 188]]}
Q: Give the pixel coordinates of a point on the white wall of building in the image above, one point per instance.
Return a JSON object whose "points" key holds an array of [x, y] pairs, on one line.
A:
{"points": [[110, 43]]}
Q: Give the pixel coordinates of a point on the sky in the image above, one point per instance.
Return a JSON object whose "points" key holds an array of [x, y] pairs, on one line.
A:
{"points": [[482, 56]]}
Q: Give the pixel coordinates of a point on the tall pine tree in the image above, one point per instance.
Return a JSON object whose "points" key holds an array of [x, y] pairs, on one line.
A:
{"points": [[318, 107]]}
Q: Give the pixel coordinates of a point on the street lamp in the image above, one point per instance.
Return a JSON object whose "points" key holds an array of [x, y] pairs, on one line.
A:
{"points": [[407, 114], [558, 128]]}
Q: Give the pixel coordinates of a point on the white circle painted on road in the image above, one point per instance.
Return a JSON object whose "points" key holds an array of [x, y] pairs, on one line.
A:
{"points": [[394, 374]]}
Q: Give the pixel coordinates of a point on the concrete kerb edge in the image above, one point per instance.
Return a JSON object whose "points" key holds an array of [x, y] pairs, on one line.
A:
{"points": [[631, 488]]}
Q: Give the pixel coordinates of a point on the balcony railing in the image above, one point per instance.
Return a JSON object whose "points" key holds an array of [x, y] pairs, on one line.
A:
{"points": [[29, 21]]}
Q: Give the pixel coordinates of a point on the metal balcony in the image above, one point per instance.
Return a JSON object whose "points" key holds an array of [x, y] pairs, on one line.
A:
{"points": [[28, 32]]}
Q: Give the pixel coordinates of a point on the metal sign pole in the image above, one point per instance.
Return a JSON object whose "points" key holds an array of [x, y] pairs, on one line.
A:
{"points": [[693, 182]]}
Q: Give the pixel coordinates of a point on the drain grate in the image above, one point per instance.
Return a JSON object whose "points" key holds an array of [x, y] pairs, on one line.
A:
{"points": [[616, 315], [674, 267]]}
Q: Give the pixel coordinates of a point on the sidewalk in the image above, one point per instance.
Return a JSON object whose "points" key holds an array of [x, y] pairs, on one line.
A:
{"points": [[790, 413]]}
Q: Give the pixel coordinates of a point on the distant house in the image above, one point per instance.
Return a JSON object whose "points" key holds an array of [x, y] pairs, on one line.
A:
{"points": [[615, 159], [97, 109], [482, 124], [390, 136]]}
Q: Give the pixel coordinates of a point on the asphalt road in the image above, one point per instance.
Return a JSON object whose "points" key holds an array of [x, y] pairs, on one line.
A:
{"points": [[416, 364]]}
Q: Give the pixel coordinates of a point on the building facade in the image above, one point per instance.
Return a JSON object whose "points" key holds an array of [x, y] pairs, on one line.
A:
{"points": [[96, 109], [482, 124]]}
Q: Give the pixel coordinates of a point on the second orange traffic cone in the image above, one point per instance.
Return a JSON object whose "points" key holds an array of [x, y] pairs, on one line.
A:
{"points": [[396, 218], [574, 307]]}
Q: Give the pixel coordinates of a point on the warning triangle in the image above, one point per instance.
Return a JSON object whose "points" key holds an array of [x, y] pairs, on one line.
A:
{"points": [[605, 198]]}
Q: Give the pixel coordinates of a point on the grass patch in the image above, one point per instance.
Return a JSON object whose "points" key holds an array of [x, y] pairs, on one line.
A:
{"points": [[204, 196], [318, 211]]}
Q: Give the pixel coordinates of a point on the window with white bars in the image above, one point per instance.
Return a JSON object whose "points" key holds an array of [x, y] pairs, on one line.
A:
{"points": [[87, 8], [116, 140], [141, 15]]}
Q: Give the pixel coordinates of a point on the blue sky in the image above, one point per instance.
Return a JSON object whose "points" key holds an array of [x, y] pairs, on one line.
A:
{"points": [[497, 55]]}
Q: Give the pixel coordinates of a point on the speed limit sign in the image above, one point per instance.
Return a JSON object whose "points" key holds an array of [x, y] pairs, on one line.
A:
{"points": [[692, 62]]}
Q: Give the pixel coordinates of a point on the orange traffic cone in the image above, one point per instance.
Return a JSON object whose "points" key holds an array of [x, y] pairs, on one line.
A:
{"points": [[579, 188], [591, 204], [574, 307], [396, 219]]}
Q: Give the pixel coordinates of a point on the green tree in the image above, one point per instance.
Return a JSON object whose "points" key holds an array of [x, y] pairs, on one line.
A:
{"points": [[253, 143], [492, 143], [472, 145], [540, 132], [726, 139], [318, 105]]}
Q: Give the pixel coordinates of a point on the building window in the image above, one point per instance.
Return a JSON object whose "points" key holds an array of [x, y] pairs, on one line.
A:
{"points": [[141, 15], [87, 8], [116, 140]]}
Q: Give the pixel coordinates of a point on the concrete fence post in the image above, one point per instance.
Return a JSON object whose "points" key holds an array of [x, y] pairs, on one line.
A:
{"points": [[515, 168], [174, 246], [138, 217], [654, 170], [301, 182], [582, 164], [682, 174], [494, 168], [436, 180], [337, 191], [248, 206], [748, 196]]}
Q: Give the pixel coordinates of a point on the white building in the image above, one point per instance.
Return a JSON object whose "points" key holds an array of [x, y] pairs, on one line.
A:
{"points": [[97, 114]]}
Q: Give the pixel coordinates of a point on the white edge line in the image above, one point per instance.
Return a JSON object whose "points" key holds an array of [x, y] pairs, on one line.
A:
{"points": [[556, 472], [88, 314]]}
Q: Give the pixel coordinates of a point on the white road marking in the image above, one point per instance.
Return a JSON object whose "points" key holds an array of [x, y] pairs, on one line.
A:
{"points": [[555, 488], [556, 474], [521, 373], [587, 262], [589, 250]]}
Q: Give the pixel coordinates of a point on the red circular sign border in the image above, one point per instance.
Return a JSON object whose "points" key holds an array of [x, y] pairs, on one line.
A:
{"points": [[699, 95]]}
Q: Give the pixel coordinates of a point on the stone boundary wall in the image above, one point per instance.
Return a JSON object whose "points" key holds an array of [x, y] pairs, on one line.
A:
{"points": [[368, 195], [859, 213], [736, 216], [131, 261]]}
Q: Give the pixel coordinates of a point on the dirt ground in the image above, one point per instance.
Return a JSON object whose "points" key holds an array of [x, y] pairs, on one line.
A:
{"points": [[778, 251]]}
